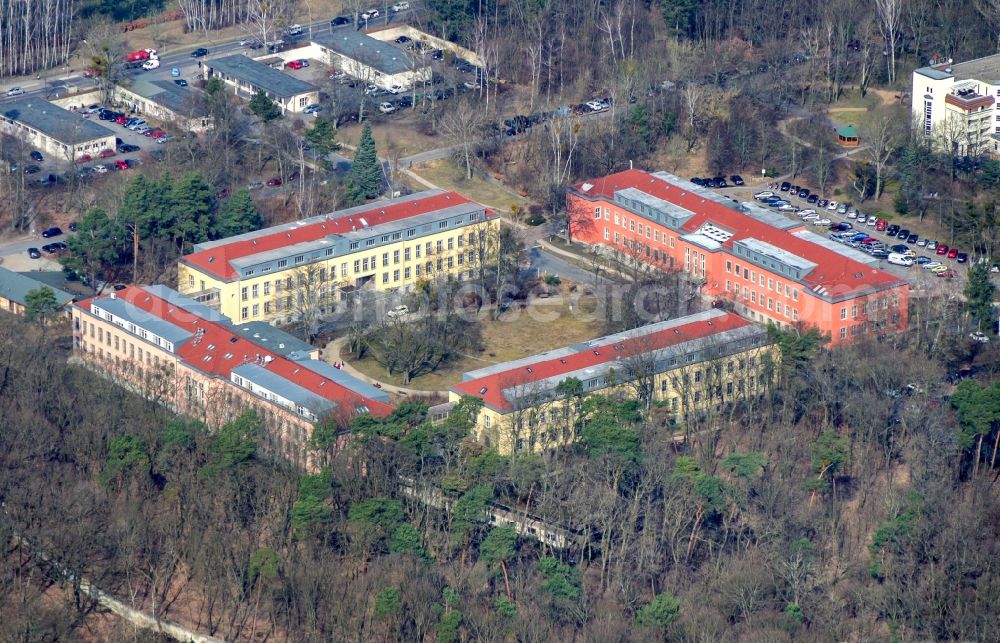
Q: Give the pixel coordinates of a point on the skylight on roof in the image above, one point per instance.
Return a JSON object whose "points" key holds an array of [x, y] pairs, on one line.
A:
{"points": [[714, 232]]}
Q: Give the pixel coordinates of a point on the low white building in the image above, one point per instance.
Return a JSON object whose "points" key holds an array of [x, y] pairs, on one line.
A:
{"points": [[247, 76], [955, 104], [167, 102], [55, 131], [371, 61]]}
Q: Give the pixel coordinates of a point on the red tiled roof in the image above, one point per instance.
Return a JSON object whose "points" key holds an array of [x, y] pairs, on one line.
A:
{"points": [[546, 368], [840, 275], [240, 351], [215, 261]]}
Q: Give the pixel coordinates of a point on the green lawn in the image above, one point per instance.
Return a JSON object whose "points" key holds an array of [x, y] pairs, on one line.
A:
{"points": [[544, 325]]}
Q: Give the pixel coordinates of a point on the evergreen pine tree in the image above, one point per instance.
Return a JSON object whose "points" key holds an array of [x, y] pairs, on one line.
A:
{"points": [[236, 215], [192, 206], [364, 181], [265, 108], [979, 296]]}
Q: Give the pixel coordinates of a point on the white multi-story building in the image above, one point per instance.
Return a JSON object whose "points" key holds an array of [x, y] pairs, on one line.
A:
{"points": [[955, 104]]}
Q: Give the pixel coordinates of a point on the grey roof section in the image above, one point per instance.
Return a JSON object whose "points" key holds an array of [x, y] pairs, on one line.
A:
{"points": [[338, 376], [702, 241], [769, 217], [383, 56], [725, 343], [839, 248], [273, 339], [389, 227], [360, 209], [15, 286], [54, 121], [147, 321], [580, 347], [287, 389], [775, 252], [261, 76], [180, 100], [986, 69], [934, 74], [190, 305]]}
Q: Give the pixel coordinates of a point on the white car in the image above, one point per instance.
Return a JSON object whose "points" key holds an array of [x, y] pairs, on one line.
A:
{"points": [[371, 13], [151, 64], [788, 207], [823, 222], [395, 89], [398, 311], [931, 244], [386, 108], [931, 265], [832, 205], [400, 6], [871, 221], [101, 169], [979, 337], [807, 211], [15, 91], [811, 217], [763, 195], [294, 30], [597, 106], [922, 242]]}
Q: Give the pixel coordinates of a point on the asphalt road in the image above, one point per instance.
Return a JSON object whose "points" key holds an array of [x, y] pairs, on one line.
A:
{"points": [[44, 87]]}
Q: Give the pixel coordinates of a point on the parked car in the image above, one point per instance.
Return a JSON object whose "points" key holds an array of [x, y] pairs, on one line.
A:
{"points": [[106, 153], [759, 196], [832, 205], [32, 169], [821, 203], [294, 30], [904, 234], [255, 185], [315, 108], [54, 231], [930, 265], [294, 64], [922, 242], [947, 273], [785, 186], [737, 180], [942, 249], [386, 108], [127, 148], [931, 244], [881, 225], [371, 13], [34, 253], [912, 239], [953, 253], [151, 64], [341, 20], [181, 82], [398, 311], [36, 156], [400, 6], [803, 193], [813, 199], [276, 181], [962, 257], [794, 190], [121, 164], [15, 91], [977, 336], [199, 52]]}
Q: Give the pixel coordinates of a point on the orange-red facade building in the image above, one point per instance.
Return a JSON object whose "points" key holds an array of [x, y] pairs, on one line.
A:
{"points": [[771, 268], [194, 360]]}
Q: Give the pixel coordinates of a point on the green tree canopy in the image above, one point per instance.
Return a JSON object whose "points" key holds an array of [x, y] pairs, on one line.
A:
{"points": [[236, 215], [659, 612], [41, 304], [364, 180], [322, 135], [979, 290], [264, 108], [96, 248]]}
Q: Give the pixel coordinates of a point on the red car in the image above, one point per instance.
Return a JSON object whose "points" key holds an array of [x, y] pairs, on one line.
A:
{"points": [[953, 253], [106, 153], [86, 158], [121, 120], [122, 165], [294, 64], [942, 249], [274, 182], [881, 225], [156, 133], [947, 274]]}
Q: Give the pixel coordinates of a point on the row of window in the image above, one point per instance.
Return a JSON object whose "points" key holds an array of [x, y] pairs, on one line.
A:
{"points": [[762, 280], [647, 230]]}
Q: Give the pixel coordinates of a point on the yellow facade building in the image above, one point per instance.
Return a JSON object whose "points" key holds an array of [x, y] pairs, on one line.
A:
{"points": [[686, 365], [287, 272]]}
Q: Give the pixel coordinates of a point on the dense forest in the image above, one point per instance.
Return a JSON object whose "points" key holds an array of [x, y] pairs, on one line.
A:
{"points": [[855, 501]]}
